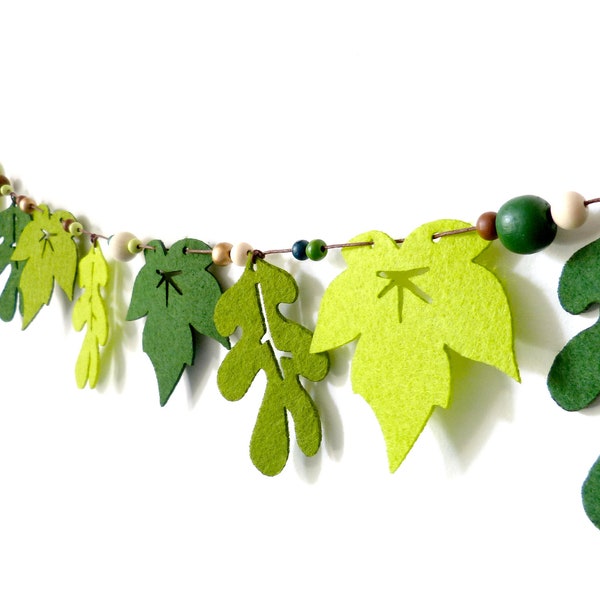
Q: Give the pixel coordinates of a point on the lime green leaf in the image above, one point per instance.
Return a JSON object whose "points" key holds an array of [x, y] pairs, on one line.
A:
{"points": [[574, 378], [12, 222], [51, 254], [406, 305], [177, 295], [253, 304], [90, 309]]}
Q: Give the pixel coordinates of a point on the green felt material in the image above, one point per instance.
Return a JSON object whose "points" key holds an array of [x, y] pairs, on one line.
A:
{"points": [[253, 305], [574, 378], [177, 295], [12, 222], [51, 255], [590, 494], [406, 305], [90, 309]]}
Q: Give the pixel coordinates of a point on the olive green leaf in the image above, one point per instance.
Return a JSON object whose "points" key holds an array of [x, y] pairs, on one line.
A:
{"points": [[253, 305], [51, 254], [177, 295], [407, 305], [12, 222], [90, 309]]}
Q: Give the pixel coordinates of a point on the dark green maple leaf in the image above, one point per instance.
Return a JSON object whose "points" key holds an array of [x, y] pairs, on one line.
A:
{"points": [[253, 304], [177, 295], [12, 222]]}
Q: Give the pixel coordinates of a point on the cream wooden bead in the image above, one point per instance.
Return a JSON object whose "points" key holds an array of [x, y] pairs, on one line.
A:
{"points": [[123, 246], [221, 254], [569, 210], [239, 253]]}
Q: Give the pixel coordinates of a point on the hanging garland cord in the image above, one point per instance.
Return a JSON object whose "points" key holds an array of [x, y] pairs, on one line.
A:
{"points": [[486, 227]]}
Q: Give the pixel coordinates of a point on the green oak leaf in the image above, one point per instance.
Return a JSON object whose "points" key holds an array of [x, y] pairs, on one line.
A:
{"points": [[51, 255], [253, 305], [90, 309], [407, 305], [177, 295], [574, 378], [12, 222]]}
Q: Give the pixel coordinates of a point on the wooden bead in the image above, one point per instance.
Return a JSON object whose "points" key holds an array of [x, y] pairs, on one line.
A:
{"points": [[299, 250], [486, 226], [569, 210], [135, 246], [239, 253], [315, 250], [524, 225], [75, 229], [27, 205], [221, 254], [119, 246]]}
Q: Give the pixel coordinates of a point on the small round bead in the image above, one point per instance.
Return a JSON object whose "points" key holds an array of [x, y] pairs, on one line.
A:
{"points": [[486, 226], [569, 211], [119, 246], [239, 253], [315, 250], [220, 254], [4, 180], [6, 189], [524, 224], [66, 223], [134, 246], [299, 250], [27, 205], [75, 228]]}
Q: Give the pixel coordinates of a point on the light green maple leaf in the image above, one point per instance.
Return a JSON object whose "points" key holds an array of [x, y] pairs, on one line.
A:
{"points": [[253, 304], [177, 295], [407, 305], [51, 255], [12, 222], [90, 309]]}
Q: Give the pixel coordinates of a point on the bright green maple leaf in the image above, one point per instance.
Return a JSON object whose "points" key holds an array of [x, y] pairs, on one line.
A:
{"points": [[12, 222], [90, 309], [407, 305], [253, 305], [51, 255], [177, 295]]}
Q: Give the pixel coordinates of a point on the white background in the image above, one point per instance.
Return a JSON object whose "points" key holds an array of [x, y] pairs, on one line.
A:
{"points": [[269, 122]]}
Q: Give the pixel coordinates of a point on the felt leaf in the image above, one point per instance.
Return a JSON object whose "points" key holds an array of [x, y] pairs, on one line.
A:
{"points": [[406, 305], [177, 295], [574, 378], [590, 494], [51, 255], [90, 309], [12, 222], [278, 346]]}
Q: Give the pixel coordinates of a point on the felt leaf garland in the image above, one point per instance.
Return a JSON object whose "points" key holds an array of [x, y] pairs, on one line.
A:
{"points": [[51, 255], [12, 222], [574, 378], [177, 295], [90, 309], [253, 305], [406, 305]]}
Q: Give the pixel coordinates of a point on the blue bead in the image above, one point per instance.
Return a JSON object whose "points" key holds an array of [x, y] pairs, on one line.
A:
{"points": [[299, 250]]}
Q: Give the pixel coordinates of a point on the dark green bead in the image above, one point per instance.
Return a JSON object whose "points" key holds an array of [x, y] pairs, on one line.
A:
{"points": [[315, 250], [524, 224]]}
